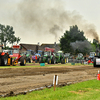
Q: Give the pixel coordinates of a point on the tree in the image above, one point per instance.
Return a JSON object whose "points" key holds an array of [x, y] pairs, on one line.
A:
{"points": [[8, 35], [71, 36], [18, 39]]}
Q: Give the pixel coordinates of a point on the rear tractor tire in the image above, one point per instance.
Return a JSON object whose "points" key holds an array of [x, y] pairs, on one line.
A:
{"points": [[94, 63], [4, 60]]}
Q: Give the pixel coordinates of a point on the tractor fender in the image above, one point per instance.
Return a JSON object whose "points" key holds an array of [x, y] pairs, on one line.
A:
{"points": [[3, 53]]}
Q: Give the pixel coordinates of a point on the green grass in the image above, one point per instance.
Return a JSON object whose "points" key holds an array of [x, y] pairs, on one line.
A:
{"points": [[88, 90], [46, 65]]}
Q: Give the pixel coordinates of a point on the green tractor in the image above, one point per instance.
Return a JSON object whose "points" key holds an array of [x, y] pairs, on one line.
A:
{"points": [[60, 58], [79, 58], [28, 54], [48, 57]]}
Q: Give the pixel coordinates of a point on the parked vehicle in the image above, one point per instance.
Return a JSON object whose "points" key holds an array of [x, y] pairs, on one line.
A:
{"points": [[29, 54], [16, 57], [60, 57], [96, 60], [48, 56], [3, 57]]}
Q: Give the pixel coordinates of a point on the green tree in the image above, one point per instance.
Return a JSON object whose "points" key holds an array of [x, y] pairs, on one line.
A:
{"points": [[8, 35], [18, 39], [71, 36]]}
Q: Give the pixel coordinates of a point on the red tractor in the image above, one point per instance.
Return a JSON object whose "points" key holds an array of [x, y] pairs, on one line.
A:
{"points": [[16, 57], [3, 57]]}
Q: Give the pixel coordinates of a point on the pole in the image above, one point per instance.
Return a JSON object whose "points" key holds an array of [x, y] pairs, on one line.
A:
{"points": [[55, 82]]}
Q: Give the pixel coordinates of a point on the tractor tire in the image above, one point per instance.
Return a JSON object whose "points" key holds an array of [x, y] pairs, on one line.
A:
{"points": [[22, 61], [4, 60], [40, 60], [49, 61], [62, 61], [30, 61], [53, 61], [94, 63]]}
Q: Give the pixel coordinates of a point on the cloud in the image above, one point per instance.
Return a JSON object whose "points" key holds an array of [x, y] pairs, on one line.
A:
{"points": [[45, 21]]}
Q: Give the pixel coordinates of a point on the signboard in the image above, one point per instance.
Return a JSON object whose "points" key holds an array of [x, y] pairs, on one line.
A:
{"points": [[16, 46], [55, 79]]}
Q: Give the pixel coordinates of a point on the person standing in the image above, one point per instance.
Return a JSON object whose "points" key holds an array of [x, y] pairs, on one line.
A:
{"points": [[33, 59]]}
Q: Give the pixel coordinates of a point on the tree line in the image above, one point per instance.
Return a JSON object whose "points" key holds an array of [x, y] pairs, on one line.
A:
{"points": [[7, 35], [73, 41]]}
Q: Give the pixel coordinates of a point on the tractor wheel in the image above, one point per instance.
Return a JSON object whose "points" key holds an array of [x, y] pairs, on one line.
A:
{"points": [[49, 61], [22, 61], [40, 60], [30, 61], [4, 60], [62, 61], [94, 62], [53, 60]]}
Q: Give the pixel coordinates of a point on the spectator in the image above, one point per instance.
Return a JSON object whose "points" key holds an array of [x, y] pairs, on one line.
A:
{"points": [[33, 59]]}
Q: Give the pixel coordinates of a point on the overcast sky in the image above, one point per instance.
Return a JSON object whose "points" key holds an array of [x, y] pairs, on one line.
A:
{"points": [[45, 21]]}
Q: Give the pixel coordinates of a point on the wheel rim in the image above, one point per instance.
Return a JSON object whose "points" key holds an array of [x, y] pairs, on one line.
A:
{"points": [[24, 61], [5, 61], [50, 61], [65, 60]]}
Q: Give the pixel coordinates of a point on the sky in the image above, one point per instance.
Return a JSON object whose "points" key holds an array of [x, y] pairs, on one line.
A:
{"points": [[45, 21]]}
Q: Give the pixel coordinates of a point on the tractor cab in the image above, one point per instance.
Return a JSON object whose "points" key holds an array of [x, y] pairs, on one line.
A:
{"points": [[15, 52]]}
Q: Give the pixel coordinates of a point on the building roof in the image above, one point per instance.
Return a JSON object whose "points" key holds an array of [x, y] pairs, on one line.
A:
{"points": [[29, 46], [41, 47]]}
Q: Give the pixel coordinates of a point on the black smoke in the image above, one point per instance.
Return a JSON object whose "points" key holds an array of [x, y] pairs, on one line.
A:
{"points": [[43, 18]]}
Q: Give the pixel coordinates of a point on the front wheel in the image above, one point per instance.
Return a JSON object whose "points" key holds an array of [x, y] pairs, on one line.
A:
{"points": [[53, 60], [49, 61], [63, 61], [22, 61]]}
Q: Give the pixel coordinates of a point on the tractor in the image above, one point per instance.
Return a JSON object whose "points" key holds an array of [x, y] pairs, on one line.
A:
{"points": [[29, 54], [79, 58], [60, 58], [3, 57], [16, 57], [96, 59], [48, 56]]}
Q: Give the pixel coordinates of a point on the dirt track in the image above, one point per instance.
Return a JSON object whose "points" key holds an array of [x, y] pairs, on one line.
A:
{"points": [[24, 79]]}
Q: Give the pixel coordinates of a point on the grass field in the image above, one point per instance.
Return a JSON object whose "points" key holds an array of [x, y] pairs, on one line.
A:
{"points": [[88, 90], [46, 65]]}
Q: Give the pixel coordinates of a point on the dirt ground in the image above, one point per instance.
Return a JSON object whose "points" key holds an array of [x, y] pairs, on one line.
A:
{"points": [[21, 80]]}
